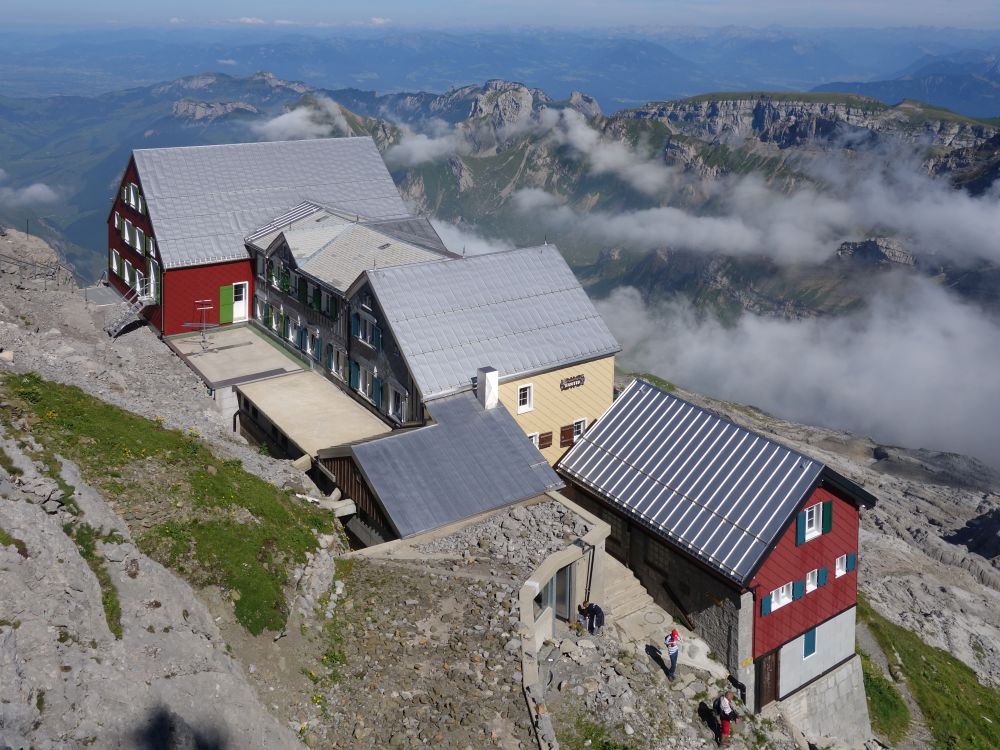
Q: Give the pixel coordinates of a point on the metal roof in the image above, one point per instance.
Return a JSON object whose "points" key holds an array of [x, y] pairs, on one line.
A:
{"points": [[203, 200], [717, 490], [472, 460], [356, 249], [520, 311]]}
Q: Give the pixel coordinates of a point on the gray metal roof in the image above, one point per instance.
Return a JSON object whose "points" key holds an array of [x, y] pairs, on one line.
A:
{"points": [[356, 249], [472, 460], [203, 200], [520, 311], [717, 490]]}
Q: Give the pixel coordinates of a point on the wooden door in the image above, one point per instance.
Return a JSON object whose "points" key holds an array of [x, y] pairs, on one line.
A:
{"points": [[767, 679]]}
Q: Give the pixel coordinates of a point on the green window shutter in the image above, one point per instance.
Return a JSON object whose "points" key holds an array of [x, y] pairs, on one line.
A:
{"points": [[302, 289], [809, 643], [852, 561], [822, 577], [355, 374], [827, 516], [377, 392], [800, 528], [798, 590], [333, 306], [765, 605], [318, 351], [267, 315], [377, 338], [286, 280], [226, 304], [317, 299], [355, 324]]}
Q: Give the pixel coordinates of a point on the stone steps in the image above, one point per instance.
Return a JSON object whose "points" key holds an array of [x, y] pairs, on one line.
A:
{"points": [[623, 594]]}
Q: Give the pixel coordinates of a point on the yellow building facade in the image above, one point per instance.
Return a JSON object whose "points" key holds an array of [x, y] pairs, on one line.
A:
{"points": [[556, 406]]}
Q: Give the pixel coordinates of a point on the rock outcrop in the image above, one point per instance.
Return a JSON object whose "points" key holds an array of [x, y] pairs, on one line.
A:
{"points": [[188, 109]]}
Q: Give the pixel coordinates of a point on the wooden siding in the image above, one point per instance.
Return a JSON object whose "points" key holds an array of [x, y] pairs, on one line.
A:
{"points": [[789, 562], [352, 485], [115, 241], [556, 408], [183, 286]]}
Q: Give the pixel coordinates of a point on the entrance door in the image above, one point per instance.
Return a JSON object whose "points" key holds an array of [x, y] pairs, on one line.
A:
{"points": [[240, 301], [767, 679]]}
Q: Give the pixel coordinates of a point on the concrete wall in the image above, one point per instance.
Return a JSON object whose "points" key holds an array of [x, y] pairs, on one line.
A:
{"points": [[832, 711], [834, 643], [556, 407]]}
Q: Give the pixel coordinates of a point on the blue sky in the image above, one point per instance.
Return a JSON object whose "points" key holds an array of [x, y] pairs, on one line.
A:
{"points": [[564, 13]]}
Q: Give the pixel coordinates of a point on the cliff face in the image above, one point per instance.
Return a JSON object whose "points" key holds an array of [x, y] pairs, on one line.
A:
{"points": [[787, 122]]}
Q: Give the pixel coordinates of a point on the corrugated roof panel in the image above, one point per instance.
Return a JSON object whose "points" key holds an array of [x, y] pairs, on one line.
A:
{"points": [[470, 461], [198, 194], [710, 486]]}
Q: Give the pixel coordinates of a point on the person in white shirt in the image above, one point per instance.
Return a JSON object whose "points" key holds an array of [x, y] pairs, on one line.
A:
{"points": [[672, 643], [727, 715]]}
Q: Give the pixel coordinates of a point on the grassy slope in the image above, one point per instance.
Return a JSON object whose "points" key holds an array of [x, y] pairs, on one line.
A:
{"points": [[960, 711], [216, 524], [889, 713]]}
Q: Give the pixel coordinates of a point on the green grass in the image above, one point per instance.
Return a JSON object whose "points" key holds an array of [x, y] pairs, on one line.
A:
{"points": [[225, 526], [590, 735], [86, 537], [833, 97], [890, 716], [7, 464], [6, 540], [960, 711], [663, 385]]}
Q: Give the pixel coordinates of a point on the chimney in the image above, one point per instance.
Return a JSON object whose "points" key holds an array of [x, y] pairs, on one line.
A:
{"points": [[488, 387]]}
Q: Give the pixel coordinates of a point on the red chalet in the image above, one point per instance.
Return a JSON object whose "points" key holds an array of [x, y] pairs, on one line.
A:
{"points": [[175, 232], [753, 545]]}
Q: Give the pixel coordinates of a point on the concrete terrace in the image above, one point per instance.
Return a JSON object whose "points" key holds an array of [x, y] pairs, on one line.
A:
{"points": [[232, 355]]}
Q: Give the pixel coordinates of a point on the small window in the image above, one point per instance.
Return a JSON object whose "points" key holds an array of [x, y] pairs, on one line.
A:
{"points": [[525, 398], [812, 580], [814, 521], [533, 437], [809, 643], [840, 567], [781, 596], [579, 427]]}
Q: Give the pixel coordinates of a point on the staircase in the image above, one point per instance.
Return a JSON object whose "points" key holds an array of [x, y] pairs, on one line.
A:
{"points": [[623, 594], [133, 302]]}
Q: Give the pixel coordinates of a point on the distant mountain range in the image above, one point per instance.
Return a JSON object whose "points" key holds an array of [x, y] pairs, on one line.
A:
{"points": [[78, 146], [967, 82]]}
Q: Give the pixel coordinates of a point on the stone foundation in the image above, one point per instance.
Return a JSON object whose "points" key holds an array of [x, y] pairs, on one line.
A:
{"points": [[832, 710]]}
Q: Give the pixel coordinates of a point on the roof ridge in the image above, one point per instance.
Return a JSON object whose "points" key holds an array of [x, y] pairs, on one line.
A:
{"points": [[505, 301], [242, 144], [490, 254]]}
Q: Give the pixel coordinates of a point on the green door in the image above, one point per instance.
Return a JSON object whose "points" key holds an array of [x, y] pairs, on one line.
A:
{"points": [[226, 304]]}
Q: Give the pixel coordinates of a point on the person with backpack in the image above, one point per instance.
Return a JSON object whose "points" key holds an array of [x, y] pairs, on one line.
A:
{"points": [[672, 642], [727, 715]]}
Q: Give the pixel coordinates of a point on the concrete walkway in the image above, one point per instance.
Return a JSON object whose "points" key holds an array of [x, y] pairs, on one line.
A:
{"points": [[650, 623], [234, 354]]}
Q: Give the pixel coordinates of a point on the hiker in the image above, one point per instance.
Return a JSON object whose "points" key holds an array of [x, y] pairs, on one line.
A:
{"points": [[592, 615], [727, 715], [672, 643]]}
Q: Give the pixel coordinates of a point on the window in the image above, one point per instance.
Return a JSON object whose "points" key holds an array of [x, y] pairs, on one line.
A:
{"points": [[579, 427], [533, 437], [814, 516], [116, 262], [812, 580], [781, 596], [840, 567], [809, 643], [398, 405], [525, 398]]}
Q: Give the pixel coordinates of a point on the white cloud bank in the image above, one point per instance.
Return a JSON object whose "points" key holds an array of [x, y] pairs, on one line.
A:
{"points": [[322, 119], [917, 368], [35, 194]]}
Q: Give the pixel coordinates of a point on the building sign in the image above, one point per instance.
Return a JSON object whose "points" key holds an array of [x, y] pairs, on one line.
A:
{"points": [[574, 382]]}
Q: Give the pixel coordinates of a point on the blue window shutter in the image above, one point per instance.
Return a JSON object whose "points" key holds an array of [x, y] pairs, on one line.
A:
{"points": [[852, 561], [377, 392], [800, 528], [765, 605], [798, 590], [318, 354], [822, 577], [355, 324], [809, 643], [377, 338], [827, 516], [355, 374]]}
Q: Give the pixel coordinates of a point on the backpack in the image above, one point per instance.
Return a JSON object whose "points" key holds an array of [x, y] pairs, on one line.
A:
{"points": [[717, 705]]}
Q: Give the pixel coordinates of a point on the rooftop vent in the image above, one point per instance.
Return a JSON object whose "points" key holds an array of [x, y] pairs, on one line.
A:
{"points": [[383, 247], [488, 387]]}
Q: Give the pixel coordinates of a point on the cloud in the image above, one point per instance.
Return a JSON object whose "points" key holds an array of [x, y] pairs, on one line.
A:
{"points": [[226, 61], [413, 149], [379, 21], [35, 194], [916, 368], [251, 21], [466, 242], [176, 19], [320, 118]]}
